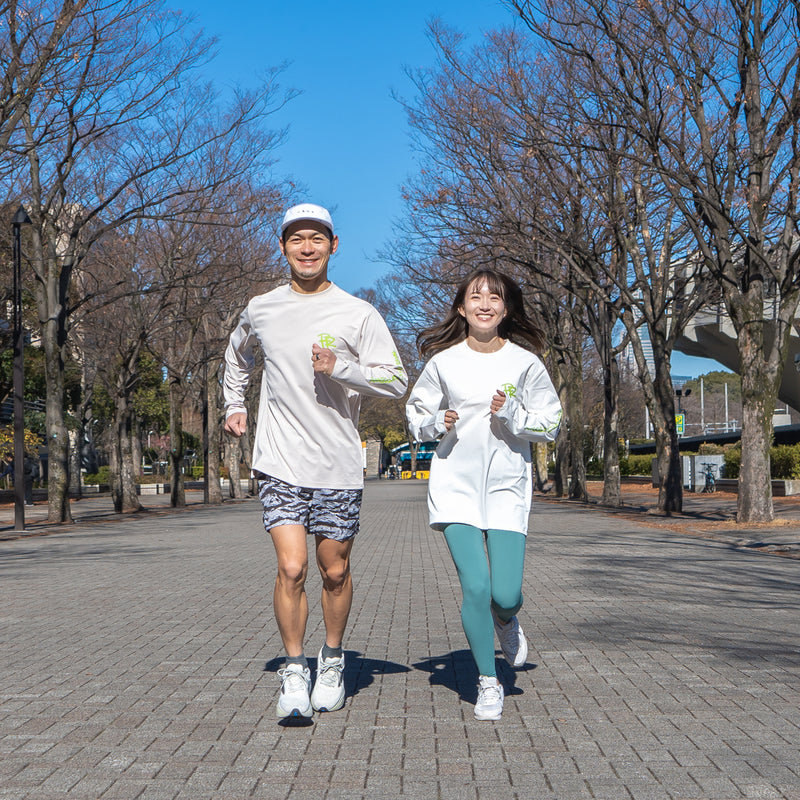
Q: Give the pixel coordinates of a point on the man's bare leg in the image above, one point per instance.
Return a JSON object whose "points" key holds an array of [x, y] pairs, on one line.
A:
{"points": [[290, 600], [333, 559]]}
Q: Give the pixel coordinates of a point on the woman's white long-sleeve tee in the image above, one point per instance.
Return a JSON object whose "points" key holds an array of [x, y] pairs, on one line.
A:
{"points": [[307, 429], [481, 471]]}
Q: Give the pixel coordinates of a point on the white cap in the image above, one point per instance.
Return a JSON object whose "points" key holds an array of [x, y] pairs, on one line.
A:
{"points": [[307, 211]]}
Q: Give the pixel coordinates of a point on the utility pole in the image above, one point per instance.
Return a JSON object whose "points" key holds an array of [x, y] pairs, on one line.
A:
{"points": [[20, 218]]}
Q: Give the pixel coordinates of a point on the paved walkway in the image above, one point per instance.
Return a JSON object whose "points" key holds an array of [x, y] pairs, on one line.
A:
{"points": [[139, 657]]}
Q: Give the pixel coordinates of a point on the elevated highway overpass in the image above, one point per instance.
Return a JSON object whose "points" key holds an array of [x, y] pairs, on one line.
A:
{"points": [[711, 335]]}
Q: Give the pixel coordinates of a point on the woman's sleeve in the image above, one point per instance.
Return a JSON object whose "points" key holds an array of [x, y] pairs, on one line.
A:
{"points": [[534, 413], [424, 410]]}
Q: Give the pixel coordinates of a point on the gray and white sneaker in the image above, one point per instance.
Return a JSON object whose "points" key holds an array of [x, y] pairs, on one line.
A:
{"points": [[328, 694], [512, 640], [295, 686], [490, 698]]}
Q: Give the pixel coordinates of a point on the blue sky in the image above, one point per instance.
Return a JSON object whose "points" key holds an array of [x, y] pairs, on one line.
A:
{"points": [[348, 143]]}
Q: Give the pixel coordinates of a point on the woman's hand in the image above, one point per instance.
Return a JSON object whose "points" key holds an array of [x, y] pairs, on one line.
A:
{"points": [[497, 401], [450, 419]]}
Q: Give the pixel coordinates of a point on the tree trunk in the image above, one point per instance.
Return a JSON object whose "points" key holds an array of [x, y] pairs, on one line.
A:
{"points": [[58, 509], [130, 498], [177, 493], [561, 473], [213, 415], [612, 481], [670, 491], [136, 447], [759, 394], [540, 465], [114, 460], [75, 464], [670, 495], [577, 488], [123, 478], [233, 459]]}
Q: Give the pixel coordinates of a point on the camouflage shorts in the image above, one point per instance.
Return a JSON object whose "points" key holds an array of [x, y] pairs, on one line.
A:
{"points": [[332, 513]]}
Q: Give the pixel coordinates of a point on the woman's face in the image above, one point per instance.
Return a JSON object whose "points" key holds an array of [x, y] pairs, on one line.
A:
{"points": [[483, 310]]}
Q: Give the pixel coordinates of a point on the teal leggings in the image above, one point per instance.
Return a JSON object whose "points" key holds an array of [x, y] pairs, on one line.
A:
{"points": [[495, 582]]}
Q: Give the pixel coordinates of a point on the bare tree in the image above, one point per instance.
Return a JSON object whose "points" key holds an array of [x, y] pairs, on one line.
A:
{"points": [[458, 218], [211, 269], [529, 166], [728, 156], [119, 130], [33, 42]]}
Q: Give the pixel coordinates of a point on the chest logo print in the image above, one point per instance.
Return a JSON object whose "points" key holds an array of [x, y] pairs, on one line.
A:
{"points": [[509, 389], [326, 340]]}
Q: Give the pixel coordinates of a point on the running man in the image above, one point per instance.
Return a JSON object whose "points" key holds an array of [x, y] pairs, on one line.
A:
{"points": [[322, 349]]}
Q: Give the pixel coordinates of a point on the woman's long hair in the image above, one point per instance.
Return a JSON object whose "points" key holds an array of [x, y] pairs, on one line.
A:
{"points": [[454, 328]]}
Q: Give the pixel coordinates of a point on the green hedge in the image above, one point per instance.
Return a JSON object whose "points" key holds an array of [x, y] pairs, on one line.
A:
{"points": [[633, 465], [784, 462], [638, 465], [103, 475]]}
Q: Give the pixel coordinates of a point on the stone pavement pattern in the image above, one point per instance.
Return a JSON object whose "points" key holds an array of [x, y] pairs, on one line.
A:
{"points": [[139, 657]]}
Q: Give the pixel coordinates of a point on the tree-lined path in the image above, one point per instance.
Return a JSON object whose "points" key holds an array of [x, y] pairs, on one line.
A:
{"points": [[138, 662]]}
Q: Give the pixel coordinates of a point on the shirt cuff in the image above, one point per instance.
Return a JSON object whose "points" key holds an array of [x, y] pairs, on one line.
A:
{"points": [[508, 410]]}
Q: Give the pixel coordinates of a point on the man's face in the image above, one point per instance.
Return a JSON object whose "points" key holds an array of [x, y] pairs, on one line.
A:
{"points": [[307, 246]]}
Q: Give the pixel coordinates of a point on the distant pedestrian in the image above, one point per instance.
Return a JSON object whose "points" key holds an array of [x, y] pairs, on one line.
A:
{"points": [[487, 398], [322, 349], [7, 466], [30, 473]]}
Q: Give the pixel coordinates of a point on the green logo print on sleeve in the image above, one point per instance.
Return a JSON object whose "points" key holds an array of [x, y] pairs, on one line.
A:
{"points": [[326, 340], [509, 389], [398, 363]]}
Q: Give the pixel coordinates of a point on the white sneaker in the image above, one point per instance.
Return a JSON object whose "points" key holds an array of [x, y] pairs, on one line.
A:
{"points": [[328, 694], [490, 698], [295, 686], [512, 640]]}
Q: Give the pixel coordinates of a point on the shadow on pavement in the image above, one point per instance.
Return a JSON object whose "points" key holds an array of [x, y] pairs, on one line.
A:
{"points": [[456, 671], [60, 554]]}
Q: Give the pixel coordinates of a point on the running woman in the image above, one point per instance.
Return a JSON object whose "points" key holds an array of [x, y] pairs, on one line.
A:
{"points": [[488, 399], [322, 349]]}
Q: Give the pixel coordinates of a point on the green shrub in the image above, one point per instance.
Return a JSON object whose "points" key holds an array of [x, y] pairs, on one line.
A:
{"points": [[710, 449], [733, 461], [103, 475], [594, 467], [632, 465], [145, 480], [197, 473], [640, 465], [785, 461]]}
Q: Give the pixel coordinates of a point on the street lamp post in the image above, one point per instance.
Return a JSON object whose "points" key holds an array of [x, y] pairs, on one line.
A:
{"points": [[20, 218]]}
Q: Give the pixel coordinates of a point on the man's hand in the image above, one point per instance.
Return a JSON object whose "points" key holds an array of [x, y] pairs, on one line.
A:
{"points": [[322, 359], [450, 419], [497, 401], [236, 424]]}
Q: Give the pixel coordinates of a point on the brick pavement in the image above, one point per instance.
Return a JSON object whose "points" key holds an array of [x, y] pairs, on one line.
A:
{"points": [[139, 658]]}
